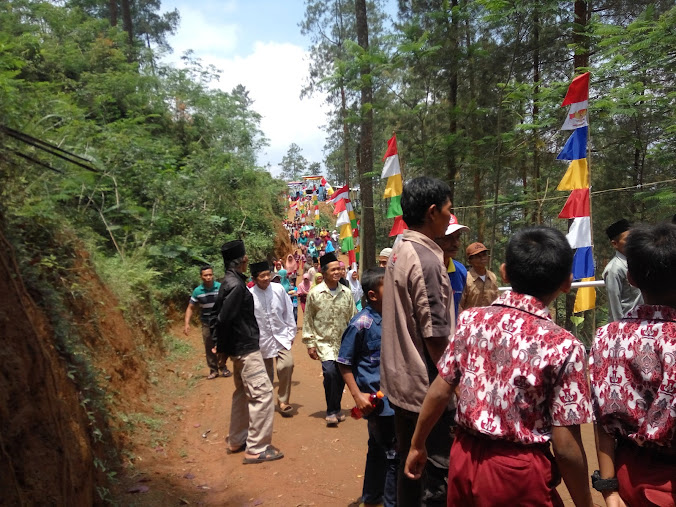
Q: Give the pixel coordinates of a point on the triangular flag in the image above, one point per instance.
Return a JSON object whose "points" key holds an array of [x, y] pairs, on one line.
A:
{"points": [[341, 193], [391, 167], [398, 227], [391, 159], [340, 206], [578, 90], [343, 218], [576, 146], [577, 204], [347, 244], [583, 263], [323, 181], [352, 256], [576, 177], [577, 116], [579, 234], [345, 231], [585, 299], [394, 208], [394, 186], [391, 147]]}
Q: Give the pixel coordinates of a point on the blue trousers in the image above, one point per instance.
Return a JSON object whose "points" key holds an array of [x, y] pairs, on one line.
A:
{"points": [[333, 387], [382, 461]]}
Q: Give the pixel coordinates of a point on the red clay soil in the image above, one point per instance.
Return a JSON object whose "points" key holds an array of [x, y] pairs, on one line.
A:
{"points": [[45, 455], [55, 437]]}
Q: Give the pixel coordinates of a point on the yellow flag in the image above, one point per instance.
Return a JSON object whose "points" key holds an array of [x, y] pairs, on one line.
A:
{"points": [[451, 266], [577, 176], [394, 186], [345, 231], [585, 299]]}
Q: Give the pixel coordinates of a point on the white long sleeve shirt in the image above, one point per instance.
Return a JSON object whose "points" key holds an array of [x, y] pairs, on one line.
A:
{"points": [[274, 314]]}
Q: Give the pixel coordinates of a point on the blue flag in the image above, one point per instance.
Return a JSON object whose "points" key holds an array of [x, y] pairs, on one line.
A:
{"points": [[583, 263], [576, 146]]}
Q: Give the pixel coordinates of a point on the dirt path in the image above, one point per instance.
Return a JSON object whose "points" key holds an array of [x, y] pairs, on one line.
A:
{"points": [[172, 463], [178, 454]]}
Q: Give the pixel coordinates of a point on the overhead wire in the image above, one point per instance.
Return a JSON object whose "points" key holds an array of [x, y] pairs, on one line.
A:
{"points": [[556, 198], [47, 148]]}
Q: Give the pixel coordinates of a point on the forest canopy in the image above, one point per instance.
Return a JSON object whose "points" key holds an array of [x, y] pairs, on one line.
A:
{"points": [[173, 159], [472, 88]]}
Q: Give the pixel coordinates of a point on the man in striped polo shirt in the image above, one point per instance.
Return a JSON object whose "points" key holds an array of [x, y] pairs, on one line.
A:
{"points": [[205, 296]]}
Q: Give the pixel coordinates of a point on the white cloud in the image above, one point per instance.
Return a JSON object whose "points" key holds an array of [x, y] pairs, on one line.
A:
{"points": [[273, 72], [203, 35]]}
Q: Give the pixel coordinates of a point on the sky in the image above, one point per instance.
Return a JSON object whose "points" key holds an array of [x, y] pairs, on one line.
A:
{"points": [[257, 43]]}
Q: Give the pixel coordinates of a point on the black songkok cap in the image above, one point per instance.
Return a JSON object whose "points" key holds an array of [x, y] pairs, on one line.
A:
{"points": [[258, 267], [617, 228], [233, 250], [327, 258]]}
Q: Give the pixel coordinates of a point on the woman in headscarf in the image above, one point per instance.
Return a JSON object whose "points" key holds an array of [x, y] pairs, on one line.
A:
{"points": [[291, 266], [284, 280], [355, 287], [303, 290], [312, 250], [319, 278], [329, 247]]}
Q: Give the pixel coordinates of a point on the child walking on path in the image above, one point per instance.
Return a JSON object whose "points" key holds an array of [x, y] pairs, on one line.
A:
{"points": [[633, 379], [522, 383], [359, 363]]}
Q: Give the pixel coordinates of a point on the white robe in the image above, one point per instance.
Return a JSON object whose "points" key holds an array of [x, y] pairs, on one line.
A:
{"points": [[274, 314]]}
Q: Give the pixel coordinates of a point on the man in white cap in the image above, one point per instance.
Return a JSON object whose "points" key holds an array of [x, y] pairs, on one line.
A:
{"points": [[383, 256], [457, 273]]}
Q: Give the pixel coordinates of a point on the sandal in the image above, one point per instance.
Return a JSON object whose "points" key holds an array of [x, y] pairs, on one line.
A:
{"points": [[226, 373], [241, 448], [269, 454], [286, 411], [212, 375]]}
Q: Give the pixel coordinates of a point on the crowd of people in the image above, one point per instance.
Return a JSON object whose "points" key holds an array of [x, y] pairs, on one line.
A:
{"points": [[471, 396]]}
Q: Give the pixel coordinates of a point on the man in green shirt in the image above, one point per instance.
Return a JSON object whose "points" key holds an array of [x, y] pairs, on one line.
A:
{"points": [[205, 296], [328, 311]]}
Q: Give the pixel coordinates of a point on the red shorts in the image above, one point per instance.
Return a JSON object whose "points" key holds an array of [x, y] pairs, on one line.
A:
{"points": [[646, 477], [486, 472]]}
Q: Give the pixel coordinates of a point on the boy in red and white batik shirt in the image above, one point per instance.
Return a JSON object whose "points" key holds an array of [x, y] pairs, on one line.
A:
{"points": [[633, 379], [520, 381]]}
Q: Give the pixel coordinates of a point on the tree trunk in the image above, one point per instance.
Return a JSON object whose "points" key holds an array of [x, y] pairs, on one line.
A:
{"points": [[451, 163], [537, 213], [127, 21], [580, 38], [112, 6], [368, 226], [346, 134]]}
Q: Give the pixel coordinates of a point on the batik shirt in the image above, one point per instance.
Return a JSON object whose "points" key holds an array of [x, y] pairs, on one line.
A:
{"points": [[633, 376], [326, 317], [519, 373]]}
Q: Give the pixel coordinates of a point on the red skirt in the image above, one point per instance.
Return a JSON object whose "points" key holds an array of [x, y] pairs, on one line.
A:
{"points": [[487, 472], [646, 477]]}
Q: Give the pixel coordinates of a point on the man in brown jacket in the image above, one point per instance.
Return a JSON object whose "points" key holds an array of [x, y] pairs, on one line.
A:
{"points": [[482, 284]]}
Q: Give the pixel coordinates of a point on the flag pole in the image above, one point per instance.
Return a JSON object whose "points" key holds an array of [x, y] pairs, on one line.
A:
{"points": [[591, 221]]}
